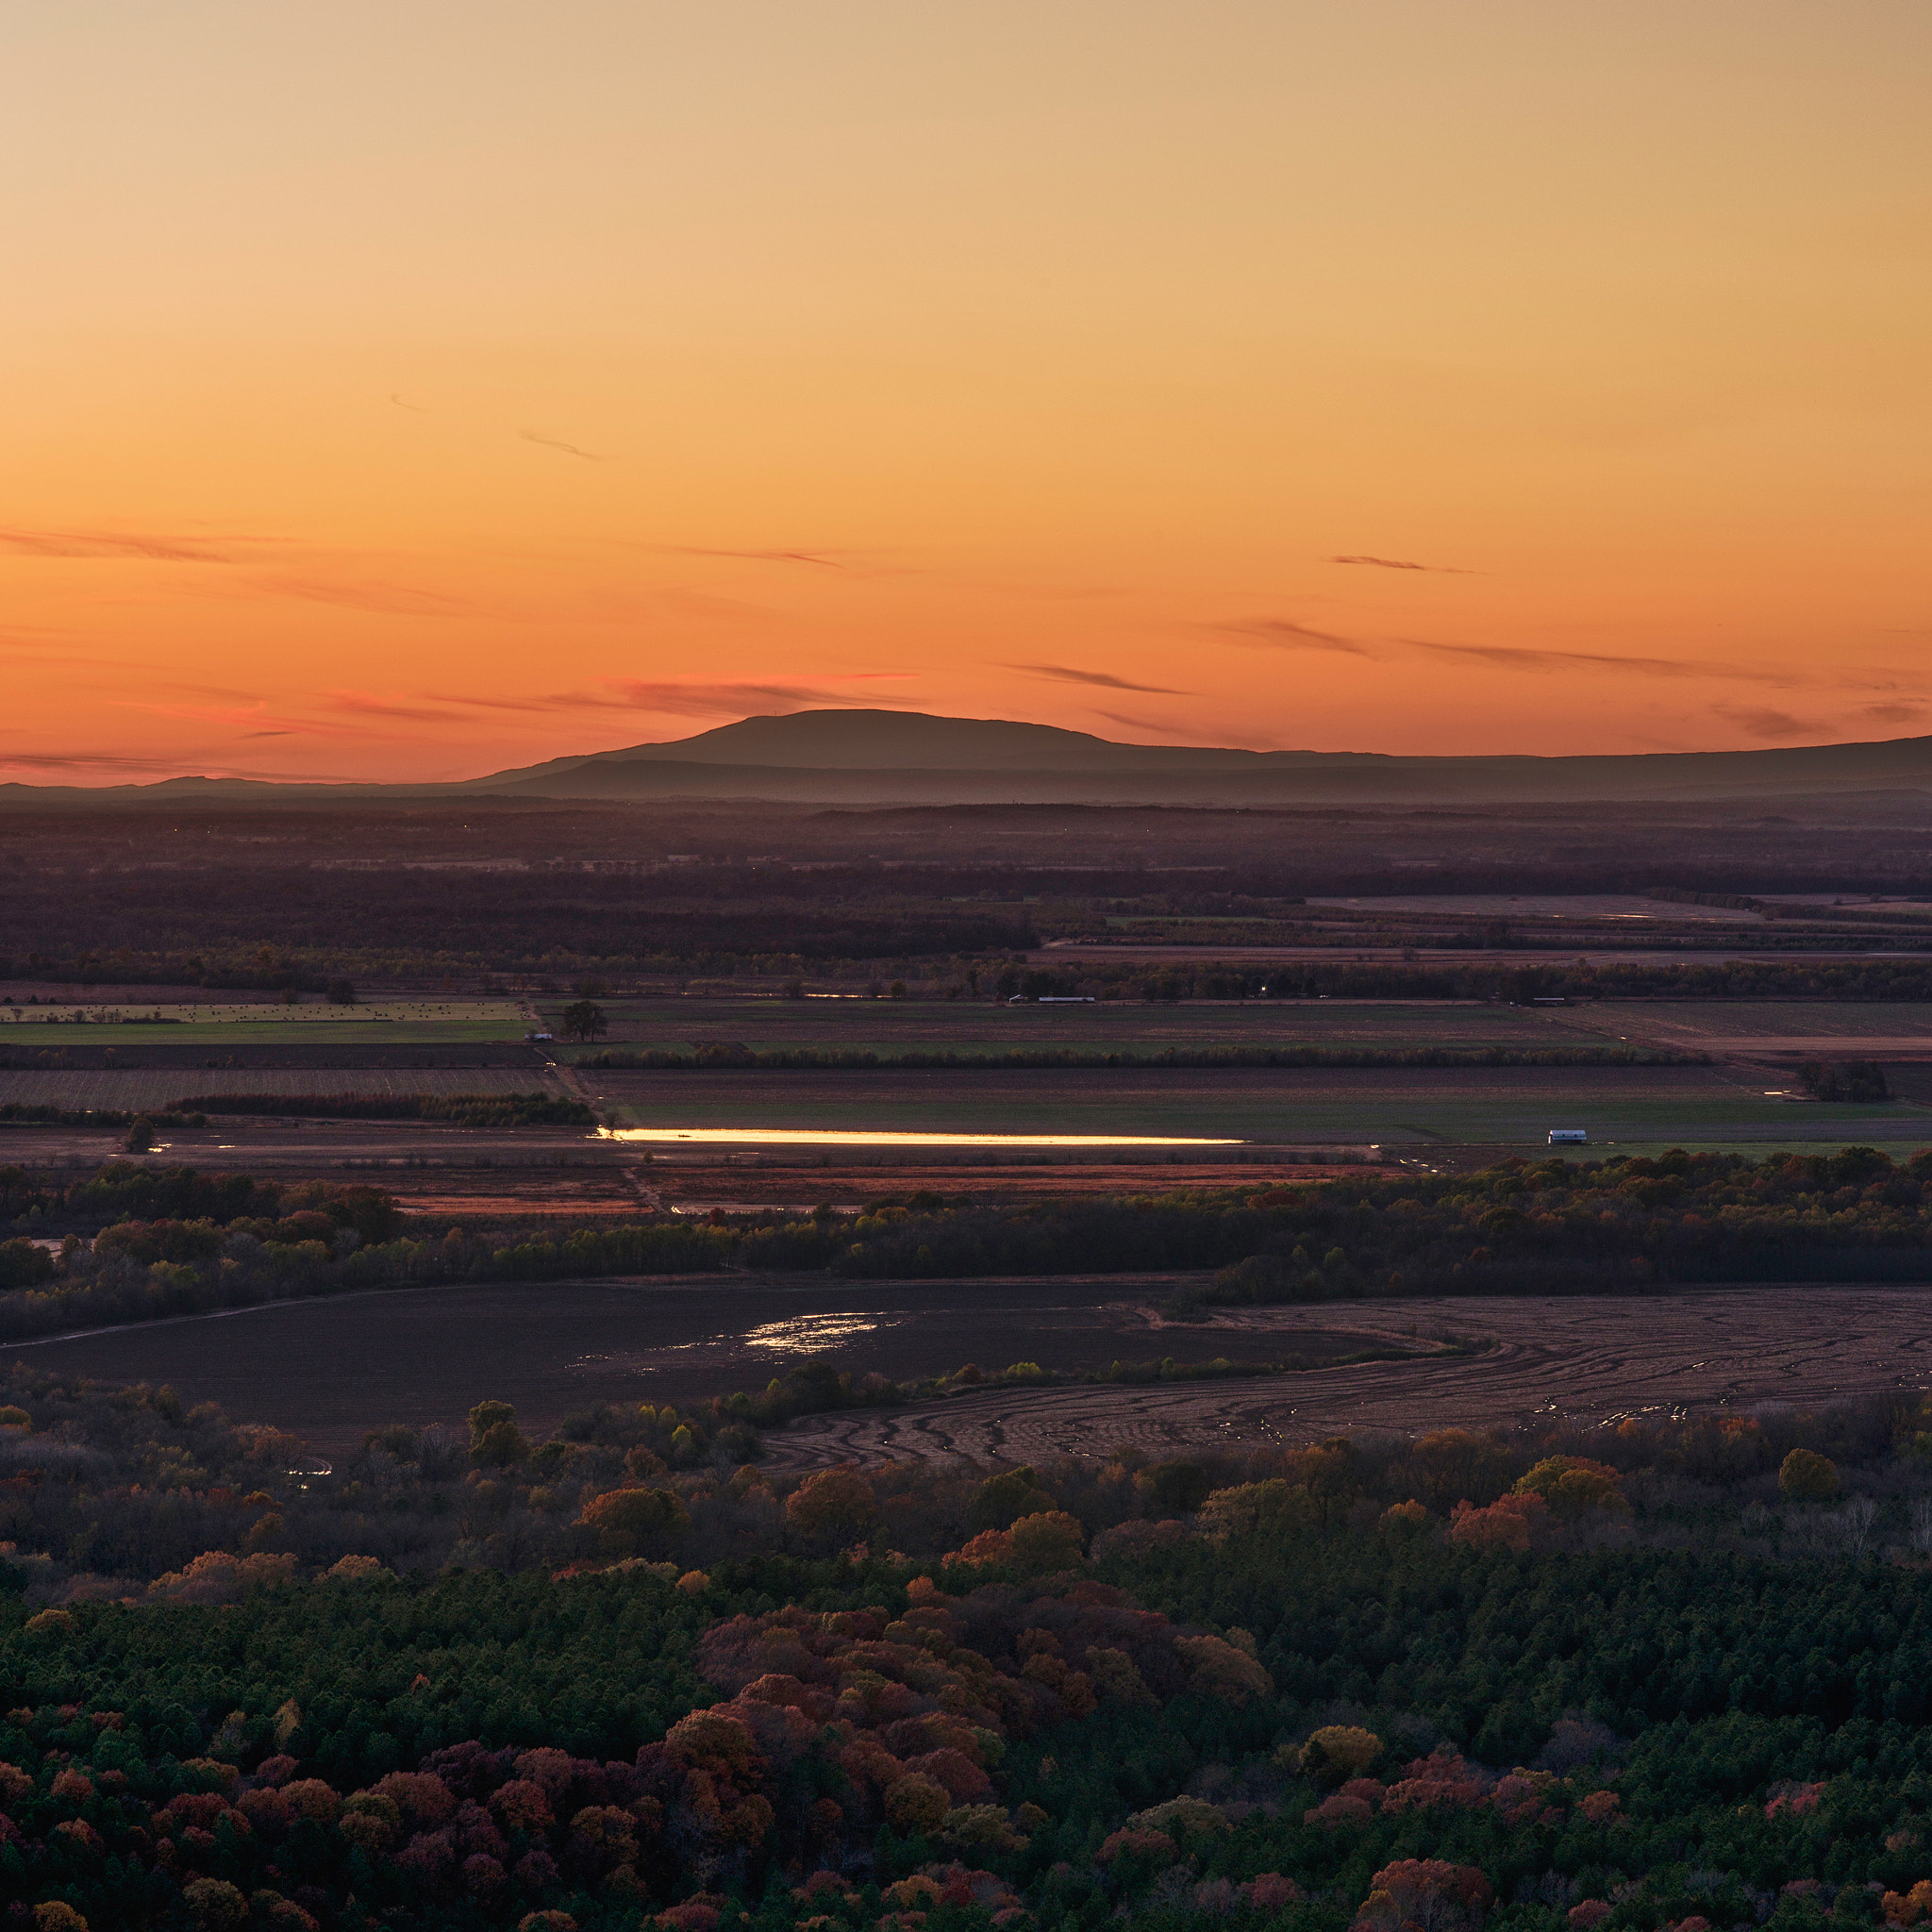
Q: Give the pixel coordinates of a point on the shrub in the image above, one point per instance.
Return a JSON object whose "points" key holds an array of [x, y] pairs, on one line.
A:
{"points": [[1340, 1752], [630, 1518], [1807, 1476], [1572, 1484], [917, 1803]]}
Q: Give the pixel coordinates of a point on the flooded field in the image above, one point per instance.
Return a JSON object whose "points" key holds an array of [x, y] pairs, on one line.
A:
{"points": [[1492, 1106], [329, 1370], [850, 1137]]}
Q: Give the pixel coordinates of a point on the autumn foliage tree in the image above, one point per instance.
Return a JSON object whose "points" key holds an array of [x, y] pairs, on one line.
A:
{"points": [[832, 1502]]}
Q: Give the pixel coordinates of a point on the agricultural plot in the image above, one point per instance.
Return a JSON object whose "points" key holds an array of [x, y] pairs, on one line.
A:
{"points": [[1568, 905], [329, 1370], [1828, 1028], [893, 1027], [391, 1023], [153, 1089], [1504, 1107], [1595, 1360]]}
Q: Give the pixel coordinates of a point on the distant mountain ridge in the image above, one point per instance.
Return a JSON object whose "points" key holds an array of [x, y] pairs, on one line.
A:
{"points": [[875, 757]]}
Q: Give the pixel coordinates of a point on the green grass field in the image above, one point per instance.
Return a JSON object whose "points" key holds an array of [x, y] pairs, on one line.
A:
{"points": [[398, 1023], [888, 1026]]}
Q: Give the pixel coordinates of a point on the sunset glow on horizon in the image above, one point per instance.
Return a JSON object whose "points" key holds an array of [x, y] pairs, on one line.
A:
{"points": [[404, 393]]}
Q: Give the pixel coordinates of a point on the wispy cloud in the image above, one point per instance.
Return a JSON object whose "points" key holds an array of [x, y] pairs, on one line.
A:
{"points": [[712, 700], [388, 600], [1893, 714], [367, 704], [1764, 723], [817, 557], [1280, 634], [673, 698], [82, 761], [248, 720], [1106, 679], [569, 449], [1437, 570], [1160, 727], [1527, 657], [1285, 635], [110, 543], [192, 765]]}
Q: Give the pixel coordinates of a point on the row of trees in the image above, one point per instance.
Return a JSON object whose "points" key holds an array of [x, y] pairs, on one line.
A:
{"points": [[170, 1240]]}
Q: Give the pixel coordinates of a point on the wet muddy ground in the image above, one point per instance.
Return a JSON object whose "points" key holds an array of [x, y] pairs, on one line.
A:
{"points": [[329, 1370]]}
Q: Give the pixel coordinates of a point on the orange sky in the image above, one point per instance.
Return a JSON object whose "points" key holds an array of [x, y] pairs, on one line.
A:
{"points": [[412, 391]]}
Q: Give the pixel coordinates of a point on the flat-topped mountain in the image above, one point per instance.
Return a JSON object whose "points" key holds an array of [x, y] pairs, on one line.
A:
{"points": [[873, 757]]}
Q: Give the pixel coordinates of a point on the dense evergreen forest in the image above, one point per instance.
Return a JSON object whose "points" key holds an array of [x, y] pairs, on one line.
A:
{"points": [[1678, 1675]]}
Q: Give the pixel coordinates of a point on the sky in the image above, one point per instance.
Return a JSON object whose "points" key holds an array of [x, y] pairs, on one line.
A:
{"points": [[411, 391]]}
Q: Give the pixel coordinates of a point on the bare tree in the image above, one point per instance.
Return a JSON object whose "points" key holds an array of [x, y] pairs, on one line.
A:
{"points": [[1920, 1525], [1854, 1525]]}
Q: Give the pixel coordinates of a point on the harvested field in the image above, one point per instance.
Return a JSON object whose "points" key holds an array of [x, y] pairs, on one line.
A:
{"points": [[336, 1058], [331, 1369], [156, 1088], [1820, 1029], [890, 1026], [1501, 1105], [756, 1182], [1570, 906], [1588, 1359], [92, 1023]]}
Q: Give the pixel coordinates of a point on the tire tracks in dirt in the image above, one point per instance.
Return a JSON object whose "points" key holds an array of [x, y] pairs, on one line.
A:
{"points": [[1590, 1360]]}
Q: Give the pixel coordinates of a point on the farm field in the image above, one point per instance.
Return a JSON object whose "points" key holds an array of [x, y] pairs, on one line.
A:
{"points": [[1576, 905], [329, 1370], [1505, 1106], [155, 1088], [1591, 1360], [887, 1027], [1864, 1028], [255, 1023]]}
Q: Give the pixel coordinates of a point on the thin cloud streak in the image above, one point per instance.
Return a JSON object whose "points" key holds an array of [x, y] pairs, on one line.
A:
{"points": [[1283, 634], [105, 544], [367, 704], [673, 698], [1280, 633], [1526, 658], [1434, 570], [1764, 723], [1106, 679], [386, 600], [569, 449], [751, 556]]}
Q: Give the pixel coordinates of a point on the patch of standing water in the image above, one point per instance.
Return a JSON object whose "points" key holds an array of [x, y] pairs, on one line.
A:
{"points": [[837, 1137], [806, 1334]]}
